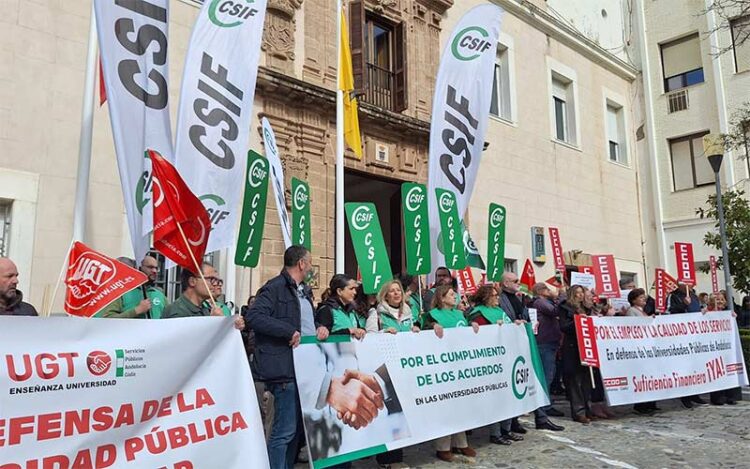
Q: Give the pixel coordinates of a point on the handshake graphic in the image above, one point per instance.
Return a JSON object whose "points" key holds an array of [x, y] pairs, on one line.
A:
{"points": [[358, 397]]}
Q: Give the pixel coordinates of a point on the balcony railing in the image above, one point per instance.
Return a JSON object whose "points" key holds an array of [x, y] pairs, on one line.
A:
{"points": [[379, 87], [678, 100]]}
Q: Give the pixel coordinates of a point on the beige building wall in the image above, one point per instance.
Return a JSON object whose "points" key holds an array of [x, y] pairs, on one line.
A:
{"points": [[711, 105], [594, 202]]}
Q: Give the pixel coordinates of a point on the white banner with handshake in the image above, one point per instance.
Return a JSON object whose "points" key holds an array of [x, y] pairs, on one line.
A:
{"points": [[650, 359], [83, 393], [389, 391]]}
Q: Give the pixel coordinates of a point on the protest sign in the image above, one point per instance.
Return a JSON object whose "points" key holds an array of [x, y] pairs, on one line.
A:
{"points": [[253, 217], [301, 213], [606, 276], [496, 243], [584, 280], [557, 252], [73, 394], [431, 386], [416, 228], [685, 263], [650, 359]]}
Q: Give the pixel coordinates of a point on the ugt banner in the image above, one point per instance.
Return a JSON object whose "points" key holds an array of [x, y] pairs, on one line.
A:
{"points": [[72, 394], [650, 359], [94, 281], [460, 111], [133, 37], [301, 213], [496, 243], [430, 387], [216, 103], [416, 228], [369, 246], [253, 211]]}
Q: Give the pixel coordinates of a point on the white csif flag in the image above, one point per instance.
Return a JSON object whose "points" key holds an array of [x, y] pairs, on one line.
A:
{"points": [[216, 103], [133, 36], [460, 109]]}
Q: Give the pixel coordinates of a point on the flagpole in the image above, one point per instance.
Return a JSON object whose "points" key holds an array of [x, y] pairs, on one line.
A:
{"points": [[197, 266], [87, 128], [339, 151], [47, 313]]}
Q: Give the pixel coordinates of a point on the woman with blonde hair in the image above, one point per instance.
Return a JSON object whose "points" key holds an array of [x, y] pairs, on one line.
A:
{"points": [[394, 314], [444, 315]]}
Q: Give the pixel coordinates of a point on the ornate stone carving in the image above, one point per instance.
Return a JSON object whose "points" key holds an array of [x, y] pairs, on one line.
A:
{"points": [[278, 34]]}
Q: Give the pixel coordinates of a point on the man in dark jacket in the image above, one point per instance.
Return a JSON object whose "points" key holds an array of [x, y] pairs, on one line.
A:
{"points": [[684, 300], [548, 335], [281, 314], [11, 299], [514, 308]]}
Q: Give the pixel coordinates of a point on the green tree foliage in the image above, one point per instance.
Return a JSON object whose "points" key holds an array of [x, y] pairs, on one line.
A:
{"points": [[737, 217]]}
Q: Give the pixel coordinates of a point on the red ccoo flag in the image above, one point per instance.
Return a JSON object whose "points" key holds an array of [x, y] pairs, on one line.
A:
{"points": [[181, 224], [94, 281], [528, 277]]}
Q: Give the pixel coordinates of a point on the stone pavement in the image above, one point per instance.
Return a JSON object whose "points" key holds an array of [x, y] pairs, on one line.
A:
{"points": [[705, 436]]}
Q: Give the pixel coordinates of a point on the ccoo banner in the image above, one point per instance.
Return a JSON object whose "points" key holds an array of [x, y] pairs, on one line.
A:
{"points": [[685, 263], [430, 387], [645, 359], [496, 243], [416, 228], [73, 394], [460, 111], [606, 275], [451, 237], [216, 103], [557, 252], [277, 180], [133, 37], [369, 246], [253, 211], [301, 213]]}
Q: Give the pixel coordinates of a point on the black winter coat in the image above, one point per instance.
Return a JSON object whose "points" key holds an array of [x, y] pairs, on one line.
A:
{"points": [[274, 318]]}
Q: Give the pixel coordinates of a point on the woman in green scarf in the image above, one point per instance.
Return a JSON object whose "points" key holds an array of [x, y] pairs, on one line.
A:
{"points": [[444, 315], [394, 314], [337, 312]]}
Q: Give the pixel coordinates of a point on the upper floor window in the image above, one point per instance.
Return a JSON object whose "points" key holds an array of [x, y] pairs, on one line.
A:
{"points": [[681, 63], [741, 43], [690, 167], [378, 58], [563, 109], [616, 140], [500, 101]]}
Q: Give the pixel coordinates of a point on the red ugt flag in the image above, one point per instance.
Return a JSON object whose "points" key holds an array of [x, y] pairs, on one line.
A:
{"points": [[94, 281], [528, 277], [181, 224]]}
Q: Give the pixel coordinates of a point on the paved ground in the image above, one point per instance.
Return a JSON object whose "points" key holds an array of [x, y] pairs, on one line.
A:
{"points": [[706, 436]]}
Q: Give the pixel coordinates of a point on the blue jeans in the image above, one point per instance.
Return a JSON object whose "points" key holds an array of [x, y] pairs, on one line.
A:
{"points": [[282, 443], [548, 353]]}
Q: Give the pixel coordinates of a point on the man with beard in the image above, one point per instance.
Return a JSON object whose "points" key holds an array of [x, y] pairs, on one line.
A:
{"points": [[144, 302], [11, 299]]}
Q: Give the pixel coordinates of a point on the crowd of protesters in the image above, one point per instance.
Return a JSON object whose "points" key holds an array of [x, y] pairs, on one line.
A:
{"points": [[283, 311]]}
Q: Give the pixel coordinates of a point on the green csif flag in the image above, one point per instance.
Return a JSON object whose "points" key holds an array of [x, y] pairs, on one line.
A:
{"points": [[450, 229], [369, 246], [301, 213], [473, 258], [416, 228], [496, 243], [253, 211]]}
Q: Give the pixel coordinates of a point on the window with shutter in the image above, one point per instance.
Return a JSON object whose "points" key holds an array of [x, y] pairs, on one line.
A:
{"points": [[690, 167], [399, 95], [741, 43], [682, 63], [356, 39]]}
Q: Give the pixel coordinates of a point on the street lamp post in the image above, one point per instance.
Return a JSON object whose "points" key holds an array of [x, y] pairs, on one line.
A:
{"points": [[714, 149]]}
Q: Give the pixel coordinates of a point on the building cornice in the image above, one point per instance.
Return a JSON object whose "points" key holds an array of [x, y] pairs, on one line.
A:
{"points": [[565, 34], [273, 83]]}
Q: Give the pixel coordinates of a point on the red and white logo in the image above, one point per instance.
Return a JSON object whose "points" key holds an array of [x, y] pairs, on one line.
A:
{"points": [[587, 348], [685, 263], [714, 277], [98, 362], [557, 253], [606, 275]]}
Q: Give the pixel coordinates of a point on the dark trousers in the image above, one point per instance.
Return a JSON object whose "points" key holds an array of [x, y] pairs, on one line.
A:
{"points": [[390, 457], [578, 389], [282, 443]]}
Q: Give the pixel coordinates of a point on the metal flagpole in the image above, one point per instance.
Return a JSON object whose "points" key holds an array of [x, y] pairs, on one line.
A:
{"points": [[87, 128], [339, 151]]}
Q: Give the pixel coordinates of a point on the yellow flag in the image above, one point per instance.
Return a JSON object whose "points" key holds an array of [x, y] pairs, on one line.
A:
{"points": [[346, 84]]}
